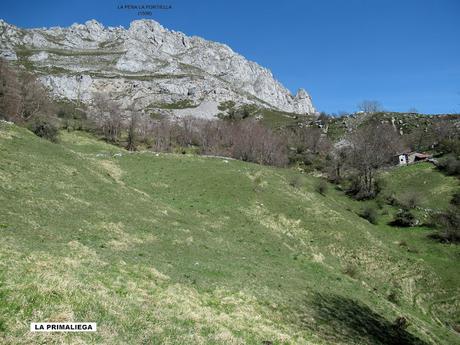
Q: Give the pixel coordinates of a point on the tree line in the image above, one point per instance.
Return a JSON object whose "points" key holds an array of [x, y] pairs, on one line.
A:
{"points": [[353, 162]]}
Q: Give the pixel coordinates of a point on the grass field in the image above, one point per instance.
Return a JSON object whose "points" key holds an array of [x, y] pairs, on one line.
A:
{"points": [[433, 188], [179, 249]]}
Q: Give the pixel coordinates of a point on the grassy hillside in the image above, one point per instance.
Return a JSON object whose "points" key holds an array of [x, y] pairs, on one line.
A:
{"points": [[274, 119], [405, 123], [423, 184], [433, 189], [177, 249]]}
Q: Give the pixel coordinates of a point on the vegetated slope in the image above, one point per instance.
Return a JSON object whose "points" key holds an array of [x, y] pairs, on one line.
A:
{"points": [[431, 188], [421, 188], [174, 249], [404, 123]]}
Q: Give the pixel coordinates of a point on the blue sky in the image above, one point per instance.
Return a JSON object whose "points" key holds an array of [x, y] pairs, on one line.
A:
{"points": [[403, 53]]}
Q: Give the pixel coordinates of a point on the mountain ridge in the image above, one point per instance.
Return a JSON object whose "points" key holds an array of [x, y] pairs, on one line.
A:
{"points": [[163, 66]]}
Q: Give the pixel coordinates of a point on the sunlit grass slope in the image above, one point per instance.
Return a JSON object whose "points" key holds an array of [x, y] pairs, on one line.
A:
{"points": [[432, 188], [177, 249]]}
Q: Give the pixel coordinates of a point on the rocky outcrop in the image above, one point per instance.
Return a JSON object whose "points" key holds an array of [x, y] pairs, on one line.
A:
{"points": [[147, 65]]}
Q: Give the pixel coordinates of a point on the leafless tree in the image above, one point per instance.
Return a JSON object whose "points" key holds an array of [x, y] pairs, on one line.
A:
{"points": [[133, 135], [337, 163], [145, 128], [34, 98], [372, 146], [303, 139], [10, 100], [22, 97], [208, 137], [162, 140], [188, 127], [370, 107], [246, 140], [214, 137], [256, 143], [107, 116]]}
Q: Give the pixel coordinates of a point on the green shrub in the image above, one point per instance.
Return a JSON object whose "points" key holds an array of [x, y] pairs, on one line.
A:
{"points": [[391, 200], [448, 225], [45, 128], [226, 105], [380, 185], [455, 199], [321, 187], [410, 200], [449, 146], [400, 323], [356, 189], [236, 113], [62, 114], [404, 218], [450, 165], [370, 214], [296, 181], [380, 203]]}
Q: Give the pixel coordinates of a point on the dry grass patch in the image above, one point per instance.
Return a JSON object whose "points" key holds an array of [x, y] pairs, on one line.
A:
{"points": [[120, 239], [226, 314], [112, 169], [278, 223]]}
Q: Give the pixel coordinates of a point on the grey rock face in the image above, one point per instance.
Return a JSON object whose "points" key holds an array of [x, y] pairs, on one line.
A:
{"points": [[147, 65]]}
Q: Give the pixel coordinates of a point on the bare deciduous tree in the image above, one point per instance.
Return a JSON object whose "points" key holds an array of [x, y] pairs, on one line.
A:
{"points": [[370, 107], [247, 140], [34, 98], [162, 136], [336, 164], [256, 143], [133, 128], [188, 129], [10, 100], [107, 116], [372, 147], [22, 97]]}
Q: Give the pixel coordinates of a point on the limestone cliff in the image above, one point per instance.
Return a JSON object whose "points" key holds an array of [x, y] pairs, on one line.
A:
{"points": [[147, 65]]}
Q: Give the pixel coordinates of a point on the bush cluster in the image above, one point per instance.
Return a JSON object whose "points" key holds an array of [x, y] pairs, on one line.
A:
{"points": [[246, 140], [321, 187], [45, 128], [404, 218], [369, 213], [447, 222], [450, 165]]}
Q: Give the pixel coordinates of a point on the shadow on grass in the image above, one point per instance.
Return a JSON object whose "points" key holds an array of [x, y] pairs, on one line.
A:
{"points": [[345, 319]]}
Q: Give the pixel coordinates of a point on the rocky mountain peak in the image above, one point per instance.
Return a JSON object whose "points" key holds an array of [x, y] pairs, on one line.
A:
{"points": [[146, 64], [148, 25], [94, 26], [302, 94]]}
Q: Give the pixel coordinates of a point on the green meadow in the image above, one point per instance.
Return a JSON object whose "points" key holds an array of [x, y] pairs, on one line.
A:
{"points": [[185, 249]]}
